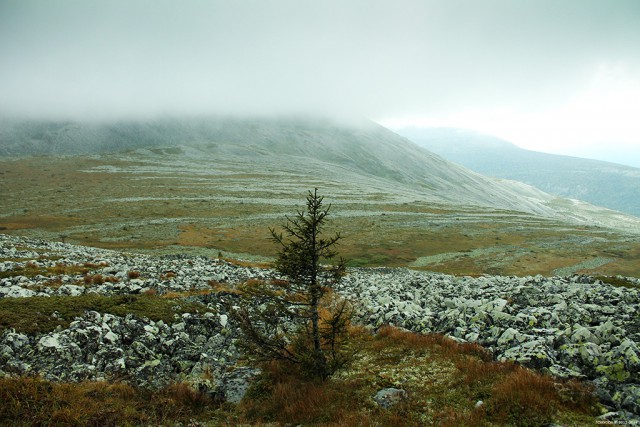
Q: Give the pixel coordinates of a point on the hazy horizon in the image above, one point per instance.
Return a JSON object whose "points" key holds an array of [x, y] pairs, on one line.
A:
{"points": [[546, 75]]}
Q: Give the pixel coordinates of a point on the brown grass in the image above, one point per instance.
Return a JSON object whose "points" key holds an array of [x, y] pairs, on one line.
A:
{"points": [[99, 279], [33, 402], [476, 372], [133, 274], [32, 269], [436, 342], [168, 275], [524, 398], [284, 397]]}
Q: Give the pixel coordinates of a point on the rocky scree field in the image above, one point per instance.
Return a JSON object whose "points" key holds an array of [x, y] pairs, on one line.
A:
{"points": [[75, 314]]}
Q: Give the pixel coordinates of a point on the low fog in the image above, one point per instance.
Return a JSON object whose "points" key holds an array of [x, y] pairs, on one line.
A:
{"points": [[386, 60]]}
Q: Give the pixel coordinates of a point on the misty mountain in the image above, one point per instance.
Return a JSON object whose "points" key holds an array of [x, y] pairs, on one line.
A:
{"points": [[363, 153], [601, 183]]}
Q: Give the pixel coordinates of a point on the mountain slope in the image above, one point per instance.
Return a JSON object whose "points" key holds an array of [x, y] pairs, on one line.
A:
{"points": [[213, 186], [363, 152], [364, 148], [601, 183]]}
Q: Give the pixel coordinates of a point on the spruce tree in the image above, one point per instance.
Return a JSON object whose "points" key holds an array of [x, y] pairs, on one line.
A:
{"points": [[298, 319]]}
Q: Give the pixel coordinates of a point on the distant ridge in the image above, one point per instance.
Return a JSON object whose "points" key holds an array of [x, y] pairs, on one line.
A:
{"points": [[601, 183]]}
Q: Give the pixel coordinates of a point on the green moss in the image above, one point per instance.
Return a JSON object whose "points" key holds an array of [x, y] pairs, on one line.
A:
{"points": [[617, 282], [36, 314], [615, 372], [31, 270], [373, 260]]}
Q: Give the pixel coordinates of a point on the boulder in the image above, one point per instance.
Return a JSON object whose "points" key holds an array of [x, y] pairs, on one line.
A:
{"points": [[534, 354], [388, 397]]}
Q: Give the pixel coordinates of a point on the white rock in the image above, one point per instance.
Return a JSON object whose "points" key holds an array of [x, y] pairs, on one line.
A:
{"points": [[111, 337], [49, 341], [17, 292], [71, 290], [223, 320]]}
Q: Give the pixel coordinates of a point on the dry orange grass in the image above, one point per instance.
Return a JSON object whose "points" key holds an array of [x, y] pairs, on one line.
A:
{"points": [[524, 398], [99, 279], [133, 274], [435, 342], [36, 402], [477, 371], [512, 395], [284, 397]]}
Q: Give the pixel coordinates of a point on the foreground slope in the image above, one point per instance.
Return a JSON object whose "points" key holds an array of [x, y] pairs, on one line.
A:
{"points": [[601, 183], [217, 185], [152, 321]]}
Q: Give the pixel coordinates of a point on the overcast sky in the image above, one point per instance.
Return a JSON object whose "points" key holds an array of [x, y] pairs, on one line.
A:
{"points": [[553, 75]]}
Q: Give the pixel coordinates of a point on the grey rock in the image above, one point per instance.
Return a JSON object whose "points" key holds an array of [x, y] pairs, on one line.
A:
{"points": [[560, 371], [237, 382], [15, 291], [388, 397], [535, 354], [71, 290], [582, 334]]}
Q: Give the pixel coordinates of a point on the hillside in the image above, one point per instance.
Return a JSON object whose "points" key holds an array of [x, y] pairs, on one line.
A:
{"points": [[363, 148], [124, 330], [601, 183], [214, 185]]}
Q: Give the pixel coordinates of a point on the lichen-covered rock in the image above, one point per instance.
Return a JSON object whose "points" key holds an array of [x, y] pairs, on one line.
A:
{"points": [[137, 350], [16, 291], [236, 383], [535, 354]]}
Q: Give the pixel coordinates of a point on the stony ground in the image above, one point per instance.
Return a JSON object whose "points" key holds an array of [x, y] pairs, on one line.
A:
{"points": [[574, 326]]}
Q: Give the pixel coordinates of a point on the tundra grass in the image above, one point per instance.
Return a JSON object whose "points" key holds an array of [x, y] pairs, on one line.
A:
{"points": [[31, 270], [140, 205], [618, 282]]}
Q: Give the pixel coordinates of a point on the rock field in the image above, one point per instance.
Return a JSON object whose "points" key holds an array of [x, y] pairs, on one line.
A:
{"points": [[572, 326]]}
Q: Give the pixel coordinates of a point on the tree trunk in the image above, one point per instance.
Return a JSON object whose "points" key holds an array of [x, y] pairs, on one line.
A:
{"points": [[320, 361]]}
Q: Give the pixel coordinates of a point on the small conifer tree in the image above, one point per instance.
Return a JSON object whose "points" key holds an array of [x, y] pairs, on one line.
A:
{"points": [[298, 319]]}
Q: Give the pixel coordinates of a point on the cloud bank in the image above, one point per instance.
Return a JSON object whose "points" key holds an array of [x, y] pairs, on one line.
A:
{"points": [[400, 59], [378, 58]]}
